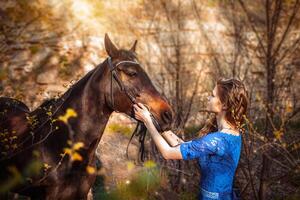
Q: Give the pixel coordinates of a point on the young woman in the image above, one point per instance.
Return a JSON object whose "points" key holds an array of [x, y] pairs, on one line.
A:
{"points": [[218, 152]]}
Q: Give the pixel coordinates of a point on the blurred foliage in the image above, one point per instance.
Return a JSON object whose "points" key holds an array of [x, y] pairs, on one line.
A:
{"points": [[143, 185], [33, 169], [292, 196]]}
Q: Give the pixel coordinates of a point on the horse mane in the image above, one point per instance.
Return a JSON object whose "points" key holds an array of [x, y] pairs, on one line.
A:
{"points": [[50, 106], [57, 102]]}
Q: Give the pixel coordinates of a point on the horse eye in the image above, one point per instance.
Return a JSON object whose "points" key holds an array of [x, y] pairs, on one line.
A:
{"points": [[131, 73]]}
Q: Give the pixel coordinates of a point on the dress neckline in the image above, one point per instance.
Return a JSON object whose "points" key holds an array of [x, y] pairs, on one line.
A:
{"points": [[230, 134]]}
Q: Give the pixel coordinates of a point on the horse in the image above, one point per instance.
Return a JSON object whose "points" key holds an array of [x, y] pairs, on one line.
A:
{"points": [[59, 138]]}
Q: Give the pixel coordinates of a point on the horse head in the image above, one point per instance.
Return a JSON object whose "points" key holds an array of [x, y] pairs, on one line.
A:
{"points": [[130, 84]]}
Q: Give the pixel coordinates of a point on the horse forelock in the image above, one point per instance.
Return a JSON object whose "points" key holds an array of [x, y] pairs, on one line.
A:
{"points": [[127, 55]]}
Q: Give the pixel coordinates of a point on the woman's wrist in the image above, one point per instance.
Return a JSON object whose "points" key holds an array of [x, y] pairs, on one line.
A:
{"points": [[148, 123], [151, 127]]}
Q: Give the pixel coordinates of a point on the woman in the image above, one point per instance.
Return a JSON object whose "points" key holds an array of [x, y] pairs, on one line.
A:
{"points": [[218, 152]]}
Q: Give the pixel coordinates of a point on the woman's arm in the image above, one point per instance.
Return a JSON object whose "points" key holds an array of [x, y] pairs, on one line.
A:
{"points": [[172, 138], [164, 148], [167, 152]]}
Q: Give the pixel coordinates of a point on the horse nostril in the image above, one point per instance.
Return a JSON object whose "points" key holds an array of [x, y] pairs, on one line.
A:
{"points": [[167, 116]]}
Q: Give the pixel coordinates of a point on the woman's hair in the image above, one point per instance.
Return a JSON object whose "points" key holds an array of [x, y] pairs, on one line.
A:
{"points": [[234, 97]]}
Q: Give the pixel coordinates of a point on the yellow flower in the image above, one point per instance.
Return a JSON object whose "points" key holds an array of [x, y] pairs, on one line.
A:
{"points": [[69, 113], [46, 166], [78, 145], [288, 108], [90, 169], [68, 151], [278, 134], [150, 164], [72, 151], [49, 113], [130, 166], [76, 156]]}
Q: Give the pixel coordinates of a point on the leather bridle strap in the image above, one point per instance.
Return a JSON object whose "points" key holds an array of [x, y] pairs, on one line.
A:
{"points": [[123, 88], [115, 76]]}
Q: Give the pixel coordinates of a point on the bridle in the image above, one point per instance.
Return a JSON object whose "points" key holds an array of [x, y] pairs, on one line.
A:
{"points": [[140, 129], [123, 88], [115, 76]]}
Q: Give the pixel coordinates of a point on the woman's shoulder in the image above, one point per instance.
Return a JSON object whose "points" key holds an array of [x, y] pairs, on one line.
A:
{"points": [[216, 134], [214, 137], [220, 138], [215, 141], [224, 134], [226, 139]]}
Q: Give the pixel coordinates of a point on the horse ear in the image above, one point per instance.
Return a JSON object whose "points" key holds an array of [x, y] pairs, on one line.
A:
{"points": [[110, 48], [133, 46]]}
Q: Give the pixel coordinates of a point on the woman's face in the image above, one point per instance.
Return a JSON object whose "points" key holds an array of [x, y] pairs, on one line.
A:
{"points": [[214, 104]]}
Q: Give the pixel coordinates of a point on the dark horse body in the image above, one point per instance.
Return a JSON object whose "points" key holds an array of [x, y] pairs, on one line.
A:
{"points": [[40, 135]]}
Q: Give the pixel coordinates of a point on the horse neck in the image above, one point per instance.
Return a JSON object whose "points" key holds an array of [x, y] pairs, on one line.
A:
{"points": [[87, 99]]}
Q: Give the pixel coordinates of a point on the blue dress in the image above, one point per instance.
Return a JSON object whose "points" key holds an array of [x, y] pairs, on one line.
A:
{"points": [[218, 155]]}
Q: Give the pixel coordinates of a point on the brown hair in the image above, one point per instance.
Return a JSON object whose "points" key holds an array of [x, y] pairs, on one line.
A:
{"points": [[234, 96]]}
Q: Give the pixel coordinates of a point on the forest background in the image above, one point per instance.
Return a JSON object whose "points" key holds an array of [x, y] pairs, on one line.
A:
{"points": [[185, 47]]}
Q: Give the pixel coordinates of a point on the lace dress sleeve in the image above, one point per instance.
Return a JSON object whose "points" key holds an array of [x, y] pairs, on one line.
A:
{"points": [[206, 145]]}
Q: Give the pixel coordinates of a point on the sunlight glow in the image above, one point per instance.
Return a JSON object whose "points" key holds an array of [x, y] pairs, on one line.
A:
{"points": [[82, 10]]}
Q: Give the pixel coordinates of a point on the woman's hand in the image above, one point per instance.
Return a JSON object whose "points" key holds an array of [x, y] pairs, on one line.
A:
{"points": [[142, 113]]}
